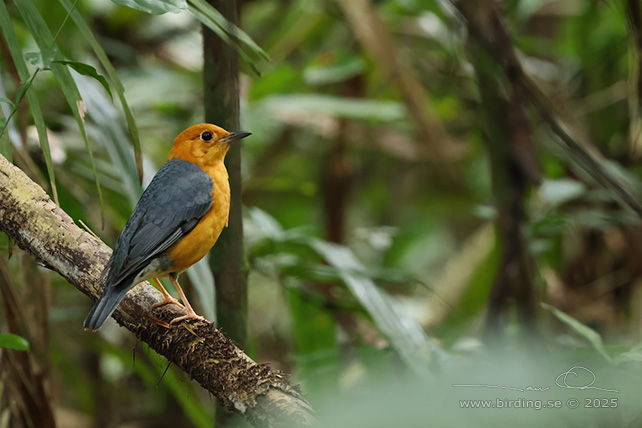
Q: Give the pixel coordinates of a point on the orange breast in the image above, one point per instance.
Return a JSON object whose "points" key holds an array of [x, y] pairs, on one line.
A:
{"points": [[200, 240]]}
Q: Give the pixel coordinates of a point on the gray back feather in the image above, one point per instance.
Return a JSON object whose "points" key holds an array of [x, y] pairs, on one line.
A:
{"points": [[178, 196]]}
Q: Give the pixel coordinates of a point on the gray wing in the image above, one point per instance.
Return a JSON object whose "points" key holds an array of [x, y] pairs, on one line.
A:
{"points": [[178, 196]]}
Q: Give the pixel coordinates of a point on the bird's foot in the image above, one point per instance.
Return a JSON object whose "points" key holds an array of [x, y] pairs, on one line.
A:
{"points": [[156, 321], [191, 315], [168, 300]]}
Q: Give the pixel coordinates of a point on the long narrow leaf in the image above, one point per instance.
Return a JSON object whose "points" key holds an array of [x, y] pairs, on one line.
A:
{"points": [[154, 7], [7, 101], [107, 131], [212, 18], [88, 35], [228, 32], [13, 341], [231, 29], [24, 87], [591, 336], [23, 72], [403, 332], [133, 131], [203, 281], [45, 41], [349, 108], [5, 143], [88, 70]]}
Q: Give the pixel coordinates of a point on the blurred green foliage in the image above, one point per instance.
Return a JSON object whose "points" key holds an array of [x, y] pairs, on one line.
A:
{"points": [[378, 324]]}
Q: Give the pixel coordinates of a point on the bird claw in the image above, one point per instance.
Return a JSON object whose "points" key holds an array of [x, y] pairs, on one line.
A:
{"points": [[189, 316], [167, 301], [157, 321]]}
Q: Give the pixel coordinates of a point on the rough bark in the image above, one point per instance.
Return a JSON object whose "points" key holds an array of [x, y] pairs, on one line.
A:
{"points": [[43, 229]]}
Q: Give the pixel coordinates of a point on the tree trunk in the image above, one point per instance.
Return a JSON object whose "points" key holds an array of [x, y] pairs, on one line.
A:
{"points": [[512, 166], [221, 102]]}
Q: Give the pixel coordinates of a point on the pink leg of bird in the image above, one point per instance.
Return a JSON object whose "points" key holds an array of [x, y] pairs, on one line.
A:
{"points": [[190, 312], [168, 298]]}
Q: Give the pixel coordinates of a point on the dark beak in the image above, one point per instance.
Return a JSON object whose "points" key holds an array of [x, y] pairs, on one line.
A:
{"points": [[235, 136]]}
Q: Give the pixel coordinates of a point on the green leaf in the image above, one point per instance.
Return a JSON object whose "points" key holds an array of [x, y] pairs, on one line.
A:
{"points": [[629, 356], [23, 88], [202, 279], [228, 32], [7, 101], [34, 58], [44, 39], [133, 131], [42, 59], [88, 70], [34, 104], [404, 333], [5, 143], [557, 192], [109, 133], [349, 108], [334, 73], [13, 341], [88, 35], [154, 7], [314, 335], [591, 336]]}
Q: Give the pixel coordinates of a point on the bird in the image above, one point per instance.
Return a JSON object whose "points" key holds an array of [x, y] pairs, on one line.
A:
{"points": [[175, 223]]}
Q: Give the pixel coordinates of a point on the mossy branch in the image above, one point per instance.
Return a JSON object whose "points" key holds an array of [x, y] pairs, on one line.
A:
{"points": [[43, 229]]}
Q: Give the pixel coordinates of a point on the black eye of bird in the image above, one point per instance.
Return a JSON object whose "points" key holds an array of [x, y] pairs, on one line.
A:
{"points": [[206, 136]]}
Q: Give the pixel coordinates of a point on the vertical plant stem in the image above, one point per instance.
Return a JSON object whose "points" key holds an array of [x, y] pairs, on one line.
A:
{"points": [[22, 108], [336, 186], [25, 375], [221, 101], [512, 166], [634, 15]]}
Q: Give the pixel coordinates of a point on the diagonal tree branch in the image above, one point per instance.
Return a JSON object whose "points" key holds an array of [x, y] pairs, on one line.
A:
{"points": [[485, 24], [375, 37], [43, 229]]}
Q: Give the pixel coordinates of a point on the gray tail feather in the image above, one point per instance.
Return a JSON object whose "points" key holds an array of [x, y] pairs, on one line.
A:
{"points": [[105, 306]]}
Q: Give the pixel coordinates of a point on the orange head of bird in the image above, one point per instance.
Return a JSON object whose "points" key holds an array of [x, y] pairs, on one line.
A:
{"points": [[204, 144]]}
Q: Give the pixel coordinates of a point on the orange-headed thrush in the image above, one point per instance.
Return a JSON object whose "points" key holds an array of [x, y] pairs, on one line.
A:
{"points": [[175, 223]]}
